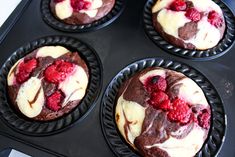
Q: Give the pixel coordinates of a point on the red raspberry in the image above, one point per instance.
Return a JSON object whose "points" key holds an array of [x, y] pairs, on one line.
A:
{"points": [[157, 98], [25, 69], [204, 119], [58, 71], [193, 118], [193, 14], [78, 5], [58, 1], [155, 83], [165, 105], [215, 19], [178, 5], [180, 111], [54, 101]]}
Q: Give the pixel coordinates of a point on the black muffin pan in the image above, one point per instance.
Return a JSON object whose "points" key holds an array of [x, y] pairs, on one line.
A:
{"points": [[115, 46], [54, 22], [6, 27], [220, 49]]}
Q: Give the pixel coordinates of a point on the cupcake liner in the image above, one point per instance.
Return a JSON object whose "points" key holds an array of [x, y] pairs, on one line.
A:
{"points": [[220, 49], [51, 20], [111, 133], [37, 128]]}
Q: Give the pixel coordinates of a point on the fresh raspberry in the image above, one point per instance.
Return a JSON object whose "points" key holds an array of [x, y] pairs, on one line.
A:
{"points": [[58, 71], [180, 111], [25, 69], [157, 98], [58, 1], [165, 105], [54, 101], [155, 83], [204, 119], [178, 5], [193, 118], [193, 14], [215, 19], [78, 5]]}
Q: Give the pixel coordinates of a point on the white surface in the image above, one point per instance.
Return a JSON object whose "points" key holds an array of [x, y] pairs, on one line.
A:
{"points": [[15, 153], [6, 8]]}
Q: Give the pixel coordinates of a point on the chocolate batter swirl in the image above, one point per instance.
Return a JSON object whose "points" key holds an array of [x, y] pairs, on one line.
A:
{"points": [[156, 127]]}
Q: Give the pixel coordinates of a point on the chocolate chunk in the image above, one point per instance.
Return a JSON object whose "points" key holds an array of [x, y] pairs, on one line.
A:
{"points": [[171, 39], [172, 78], [42, 63], [188, 31], [189, 4], [173, 92], [142, 141], [155, 79], [133, 88], [48, 88]]}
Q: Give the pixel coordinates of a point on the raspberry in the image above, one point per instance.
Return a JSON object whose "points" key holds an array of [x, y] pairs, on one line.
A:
{"points": [[25, 69], [157, 98], [165, 105], [155, 83], [204, 119], [58, 1], [193, 118], [215, 19], [78, 5], [180, 111], [178, 5], [58, 71], [193, 14], [54, 101]]}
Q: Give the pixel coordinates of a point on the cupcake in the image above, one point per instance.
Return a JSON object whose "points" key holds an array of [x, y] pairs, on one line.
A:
{"points": [[47, 83], [162, 113], [189, 24], [77, 12]]}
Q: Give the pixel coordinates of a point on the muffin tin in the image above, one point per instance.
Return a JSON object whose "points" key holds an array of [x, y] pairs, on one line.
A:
{"points": [[117, 45]]}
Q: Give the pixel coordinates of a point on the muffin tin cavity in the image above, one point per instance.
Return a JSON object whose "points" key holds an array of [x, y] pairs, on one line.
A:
{"points": [[114, 139], [49, 18], [220, 49], [37, 128]]}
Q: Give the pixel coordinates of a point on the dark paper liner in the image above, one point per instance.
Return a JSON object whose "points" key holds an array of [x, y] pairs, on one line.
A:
{"points": [[111, 133], [51, 20], [37, 128], [220, 49]]}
